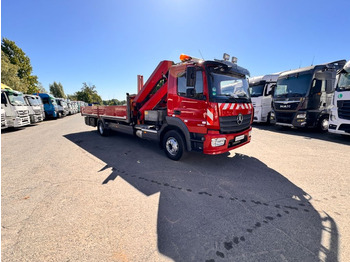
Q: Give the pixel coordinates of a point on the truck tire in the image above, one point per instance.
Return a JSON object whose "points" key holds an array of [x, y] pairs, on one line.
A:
{"points": [[101, 129], [323, 124], [173, 145]]}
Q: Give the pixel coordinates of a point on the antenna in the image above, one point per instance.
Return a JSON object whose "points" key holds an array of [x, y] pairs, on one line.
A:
{"points": [[201, 54], [300, 63], [313, 61]]}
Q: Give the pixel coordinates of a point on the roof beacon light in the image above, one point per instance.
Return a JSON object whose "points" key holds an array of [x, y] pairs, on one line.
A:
{"points": [[234, 60], [185, 58], [226, 57]]}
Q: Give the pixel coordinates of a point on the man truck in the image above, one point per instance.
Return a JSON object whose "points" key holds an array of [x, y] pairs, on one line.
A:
{"points": [[194, 105], [261, 89], [16, 110], [303, 97], [339, 121]]}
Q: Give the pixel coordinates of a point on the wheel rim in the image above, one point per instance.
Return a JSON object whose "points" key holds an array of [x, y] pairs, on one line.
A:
{"points": [[172, 146], [325, 124], [100, 128]]}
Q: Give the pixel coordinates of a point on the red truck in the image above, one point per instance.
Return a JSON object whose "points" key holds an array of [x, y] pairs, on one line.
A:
{"points": [[194, 105]]}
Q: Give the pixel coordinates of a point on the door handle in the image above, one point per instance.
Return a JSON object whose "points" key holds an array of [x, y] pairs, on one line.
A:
{"points": [[177, 112]]}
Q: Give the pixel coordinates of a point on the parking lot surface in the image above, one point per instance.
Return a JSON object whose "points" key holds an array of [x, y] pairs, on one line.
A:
{"points": [[68, 194]]}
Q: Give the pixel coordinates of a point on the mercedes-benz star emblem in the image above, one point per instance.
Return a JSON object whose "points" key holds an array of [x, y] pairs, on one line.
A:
{"points": [[239, 119]]}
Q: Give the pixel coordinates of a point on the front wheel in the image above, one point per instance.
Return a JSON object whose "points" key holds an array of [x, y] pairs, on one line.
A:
{"points": [[101, 129], [174, 145], [323, 124]]}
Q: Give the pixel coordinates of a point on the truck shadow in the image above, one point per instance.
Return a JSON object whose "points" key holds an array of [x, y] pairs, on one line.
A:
{"points": [[218, 208], [306, 133]]}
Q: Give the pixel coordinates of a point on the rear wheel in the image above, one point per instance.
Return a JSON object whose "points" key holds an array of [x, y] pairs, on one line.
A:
{"points": [[174, 145], [101, 129]]}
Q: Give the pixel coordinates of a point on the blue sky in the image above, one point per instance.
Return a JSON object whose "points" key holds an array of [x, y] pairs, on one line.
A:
{"points": [[109, 42]]}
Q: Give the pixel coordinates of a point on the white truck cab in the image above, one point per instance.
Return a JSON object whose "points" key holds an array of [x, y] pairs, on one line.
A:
{"points": [[261, 89], [16, 110], [339, 121], [36, 111]]}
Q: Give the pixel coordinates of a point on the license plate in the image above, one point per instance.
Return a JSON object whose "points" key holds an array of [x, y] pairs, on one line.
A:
{"points": [[238, 138]]}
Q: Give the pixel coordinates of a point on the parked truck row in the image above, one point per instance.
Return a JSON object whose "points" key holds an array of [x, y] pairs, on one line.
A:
{"points": [[309, 97], [18, 109], [193, 105]]}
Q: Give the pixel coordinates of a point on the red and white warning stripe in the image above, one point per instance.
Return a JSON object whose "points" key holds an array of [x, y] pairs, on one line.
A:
{"points": [[210, 116], [232, 106]]}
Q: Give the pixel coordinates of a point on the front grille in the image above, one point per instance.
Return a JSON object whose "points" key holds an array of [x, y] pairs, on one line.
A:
{"points": [[37, 111], [22, 113], [345, 127], [286, 105], [344, 109], [228, 124], [284, 117]]}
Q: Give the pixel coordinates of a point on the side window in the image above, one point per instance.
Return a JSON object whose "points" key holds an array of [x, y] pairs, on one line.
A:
{"points": [[45, 100], [316, 86], [270, 89], [3, 99], [183, 90]]}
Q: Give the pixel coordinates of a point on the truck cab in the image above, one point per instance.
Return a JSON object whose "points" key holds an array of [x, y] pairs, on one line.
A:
{"points": [[339, 122], [62, 107], [303, 97], [50, 105], [36, 111], [261, 89], [16, 110]]}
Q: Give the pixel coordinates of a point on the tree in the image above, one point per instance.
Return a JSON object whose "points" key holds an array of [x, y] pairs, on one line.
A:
{"points": [[114, 102], [56, 89], [88, 94], [17, 57], [41, 88], [9, 74]]}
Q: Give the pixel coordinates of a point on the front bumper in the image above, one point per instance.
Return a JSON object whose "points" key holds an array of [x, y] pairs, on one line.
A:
{"points": [[231, 143], [36, 118], [338, 125]]}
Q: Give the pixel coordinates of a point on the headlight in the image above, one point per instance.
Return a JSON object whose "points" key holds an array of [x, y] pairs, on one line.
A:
{"points": [[272, 114], [301, 115], [218, 142]]}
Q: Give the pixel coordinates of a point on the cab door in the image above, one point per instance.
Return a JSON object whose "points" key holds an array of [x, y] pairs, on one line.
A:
{"points": [[191, 103]]}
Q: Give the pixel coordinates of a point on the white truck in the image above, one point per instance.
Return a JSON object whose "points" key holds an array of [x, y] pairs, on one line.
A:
{"points": [[16, 110], [36, 109], [339, 121], [261, 89]]}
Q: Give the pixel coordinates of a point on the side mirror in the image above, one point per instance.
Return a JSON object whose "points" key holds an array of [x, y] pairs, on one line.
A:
{"points": [[190, 92], [190, 76]]}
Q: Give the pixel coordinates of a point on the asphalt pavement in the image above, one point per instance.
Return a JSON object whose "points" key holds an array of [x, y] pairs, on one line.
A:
{"points": [[68, 194]]}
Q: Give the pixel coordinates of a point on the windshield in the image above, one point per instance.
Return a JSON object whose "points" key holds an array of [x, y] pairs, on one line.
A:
{"points": [[293, 86], [256, 91], [32, 101], [227, 88], [16, 99], [344, 82], [38, 99]]}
